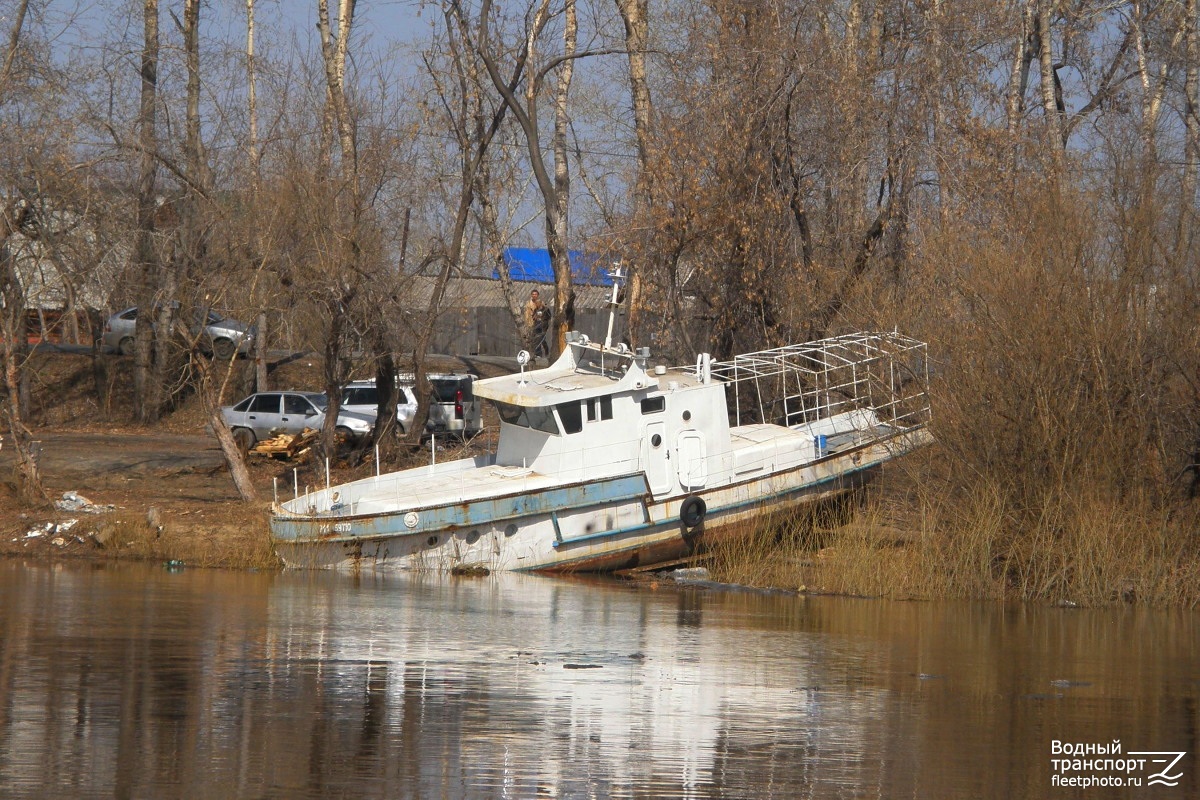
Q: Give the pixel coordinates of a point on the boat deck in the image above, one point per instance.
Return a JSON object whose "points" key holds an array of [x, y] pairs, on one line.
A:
{"points": [[398, 492]]}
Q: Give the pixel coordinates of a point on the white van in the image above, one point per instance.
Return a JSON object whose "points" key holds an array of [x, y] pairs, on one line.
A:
{"points": [[453, 408], [362, 397]]}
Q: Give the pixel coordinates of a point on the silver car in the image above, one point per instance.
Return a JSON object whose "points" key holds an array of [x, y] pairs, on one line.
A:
{"points": [[222, 336], [362, 397], [265, 414]]}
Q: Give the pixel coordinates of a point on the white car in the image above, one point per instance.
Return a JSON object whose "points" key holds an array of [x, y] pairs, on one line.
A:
{"points": [[362, 397], [266, 414]]}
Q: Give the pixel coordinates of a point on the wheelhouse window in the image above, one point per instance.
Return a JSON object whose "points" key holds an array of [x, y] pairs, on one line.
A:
{"points": [[653, 405], [537, 418], [571, 417], [599, 408]]}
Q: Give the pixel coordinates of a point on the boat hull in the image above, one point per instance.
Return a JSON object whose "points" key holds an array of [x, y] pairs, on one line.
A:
{"points": [[606, 525]]}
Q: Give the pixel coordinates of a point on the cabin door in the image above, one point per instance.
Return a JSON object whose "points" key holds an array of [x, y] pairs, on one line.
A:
{"points": [[690, 459], [656, 458]]}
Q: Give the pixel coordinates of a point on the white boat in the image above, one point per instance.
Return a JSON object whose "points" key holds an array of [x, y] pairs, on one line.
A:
{"points": [[606, 461]]}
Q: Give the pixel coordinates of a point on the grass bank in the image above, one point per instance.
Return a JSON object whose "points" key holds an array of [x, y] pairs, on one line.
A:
{"points": [[1087, 549]]}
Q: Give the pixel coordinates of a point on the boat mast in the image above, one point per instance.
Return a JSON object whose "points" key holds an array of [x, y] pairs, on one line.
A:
{"points": [[617, 276]]}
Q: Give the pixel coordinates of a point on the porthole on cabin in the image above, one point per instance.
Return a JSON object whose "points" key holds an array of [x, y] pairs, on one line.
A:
{"points": [[656, 440], [653, 405], [472, 537], [687, 415], [432, 541], [511, 530]]}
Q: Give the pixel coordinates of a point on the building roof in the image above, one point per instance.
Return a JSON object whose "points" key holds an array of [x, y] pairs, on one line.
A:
{"points": [[532, 264], [489, 293]]}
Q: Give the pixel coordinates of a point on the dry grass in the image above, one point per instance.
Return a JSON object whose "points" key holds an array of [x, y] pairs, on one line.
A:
{"points": [[1087, 550], [236, 537]]}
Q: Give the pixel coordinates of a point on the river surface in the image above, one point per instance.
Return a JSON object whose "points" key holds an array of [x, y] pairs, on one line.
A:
{"points": [[137, 681]]}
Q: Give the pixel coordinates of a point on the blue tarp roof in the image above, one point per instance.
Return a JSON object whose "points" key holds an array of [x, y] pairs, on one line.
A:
{"points": [[533, 264]]}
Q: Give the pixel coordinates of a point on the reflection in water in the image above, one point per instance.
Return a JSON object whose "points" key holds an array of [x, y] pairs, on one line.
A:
{"points": [[137, 682]]}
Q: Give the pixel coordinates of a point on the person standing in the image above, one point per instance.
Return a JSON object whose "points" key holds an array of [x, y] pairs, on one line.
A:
{"points": [[537, 320]]}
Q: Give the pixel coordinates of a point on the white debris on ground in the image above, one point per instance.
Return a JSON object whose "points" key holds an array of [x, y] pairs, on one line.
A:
{"points": [[52, 529], [75, 502], [34, 533]]}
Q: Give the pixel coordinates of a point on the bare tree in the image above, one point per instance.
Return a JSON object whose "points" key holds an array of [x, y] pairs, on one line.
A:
{"points": [[474, 127], [343, 291], [17, 218], [1191, 124], [635, 16], [147, 384], [554, 187], [13, 352]]}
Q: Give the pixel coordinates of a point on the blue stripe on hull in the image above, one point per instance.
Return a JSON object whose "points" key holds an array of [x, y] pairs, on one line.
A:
{"points": [[468, 514], [676, 545]]}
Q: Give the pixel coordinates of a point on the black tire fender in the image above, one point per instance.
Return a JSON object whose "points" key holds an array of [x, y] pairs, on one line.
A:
{"points": [[692, 511]]}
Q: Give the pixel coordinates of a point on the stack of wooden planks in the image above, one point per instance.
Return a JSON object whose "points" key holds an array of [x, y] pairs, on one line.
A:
{"points": [[287, 445]]}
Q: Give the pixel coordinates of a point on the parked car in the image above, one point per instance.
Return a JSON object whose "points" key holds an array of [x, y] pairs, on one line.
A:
{"points": [[265, 414], [453, 407], [362, 397], [222, 336]]}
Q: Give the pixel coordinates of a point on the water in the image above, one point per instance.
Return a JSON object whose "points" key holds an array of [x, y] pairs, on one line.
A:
{"points": [[144, 682]]}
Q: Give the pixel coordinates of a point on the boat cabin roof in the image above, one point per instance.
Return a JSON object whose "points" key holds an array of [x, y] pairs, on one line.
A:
{"points": [[583, 371]]}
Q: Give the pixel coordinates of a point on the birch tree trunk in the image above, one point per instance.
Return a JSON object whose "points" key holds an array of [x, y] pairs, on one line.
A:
{"points": [[558, 228], [634, 16], [1018, 74], [252, 102], [1049, 80], [334, 48]]}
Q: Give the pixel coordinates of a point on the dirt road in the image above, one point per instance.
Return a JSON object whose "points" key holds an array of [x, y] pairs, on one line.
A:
{"points": [[101, 457]]}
